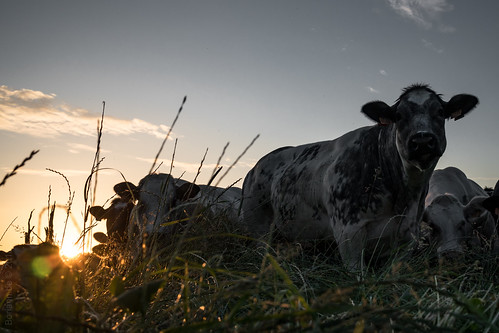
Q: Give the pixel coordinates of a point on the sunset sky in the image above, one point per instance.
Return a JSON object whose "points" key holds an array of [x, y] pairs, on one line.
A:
{"points": [[292, 71]]}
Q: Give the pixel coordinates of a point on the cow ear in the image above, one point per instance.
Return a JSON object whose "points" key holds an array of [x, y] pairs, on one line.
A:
{"points": [[476, 214], [459, 106], [380, 112], [187, 191], [98, 212], [126, 190], [4, 256], [101, 237]]}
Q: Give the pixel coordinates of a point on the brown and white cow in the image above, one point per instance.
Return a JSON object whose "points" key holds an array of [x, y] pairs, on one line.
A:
{"points": [[365, 189]]}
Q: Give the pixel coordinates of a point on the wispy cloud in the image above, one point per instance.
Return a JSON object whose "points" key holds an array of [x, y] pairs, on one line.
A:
{"points": [[431, 46], [383, 72], [36, 113], [47, 173], [425, 13], [76, 148], [372, 90]]}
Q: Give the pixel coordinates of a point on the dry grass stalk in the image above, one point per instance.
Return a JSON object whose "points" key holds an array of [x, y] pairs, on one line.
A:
{"points": [[70, 202], [27, 234], [238, 158], [167, 135], [93, 175], [17, 167]]}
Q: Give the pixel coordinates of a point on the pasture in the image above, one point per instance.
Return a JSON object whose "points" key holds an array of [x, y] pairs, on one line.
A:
{"points": [[212, 277]]}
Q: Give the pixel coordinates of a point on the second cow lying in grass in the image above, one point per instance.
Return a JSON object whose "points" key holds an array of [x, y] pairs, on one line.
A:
{"points": [[158, 203]]}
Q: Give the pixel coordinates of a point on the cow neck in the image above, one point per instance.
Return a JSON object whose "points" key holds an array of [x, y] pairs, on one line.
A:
{"points": [[402, 179]]}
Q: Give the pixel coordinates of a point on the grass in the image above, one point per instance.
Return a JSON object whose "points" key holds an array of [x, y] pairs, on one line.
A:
{"points": [[212, 278], [222, 282]]}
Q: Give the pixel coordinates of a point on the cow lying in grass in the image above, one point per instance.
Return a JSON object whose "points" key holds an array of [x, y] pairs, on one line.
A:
{"points": [[157, 205], [454, 210]]}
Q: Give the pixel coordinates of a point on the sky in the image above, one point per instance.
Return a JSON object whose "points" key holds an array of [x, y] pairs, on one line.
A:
{"points": [[293, 72]]}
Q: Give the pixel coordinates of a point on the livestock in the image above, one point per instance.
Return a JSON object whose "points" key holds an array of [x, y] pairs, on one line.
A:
{"points": [[492, 203], [117, 214], [366, 189], [155, 195], [162, 198], [213, 201], [454, 210]]}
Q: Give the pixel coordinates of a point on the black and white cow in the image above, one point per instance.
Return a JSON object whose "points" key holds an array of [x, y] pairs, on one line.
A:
{"points": [[160, 198], [214, 201], [157, 195], [365, 189], [454, 210]]}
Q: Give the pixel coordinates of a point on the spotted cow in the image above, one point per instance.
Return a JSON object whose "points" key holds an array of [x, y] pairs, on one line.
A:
{"points": [[365, 189], [454, 210], [213, 201], [157, 197]]}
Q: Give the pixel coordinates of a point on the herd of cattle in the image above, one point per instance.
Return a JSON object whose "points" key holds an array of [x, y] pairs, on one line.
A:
{"points": [[368, 190]]}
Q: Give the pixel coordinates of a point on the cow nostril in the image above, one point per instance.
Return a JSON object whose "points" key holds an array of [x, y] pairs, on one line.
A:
{"points": [[422, 141]]}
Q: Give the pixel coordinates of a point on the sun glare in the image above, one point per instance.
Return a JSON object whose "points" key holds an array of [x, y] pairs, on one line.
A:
{"points": [[69, 250]]}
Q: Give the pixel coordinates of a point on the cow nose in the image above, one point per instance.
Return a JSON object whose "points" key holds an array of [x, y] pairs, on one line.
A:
{"points": [[423, 142]]}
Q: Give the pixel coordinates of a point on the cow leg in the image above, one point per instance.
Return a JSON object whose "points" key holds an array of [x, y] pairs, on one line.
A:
{"points": [[257, 216], [351, 247]]}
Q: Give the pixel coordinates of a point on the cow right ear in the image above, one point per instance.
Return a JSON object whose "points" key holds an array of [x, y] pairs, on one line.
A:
{"points": [[125, 190], [459, 106], [98, 212], [380, 112]]}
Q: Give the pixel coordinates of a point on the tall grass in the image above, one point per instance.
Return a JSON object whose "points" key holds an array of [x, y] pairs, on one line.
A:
{"points": [[214, 279]]}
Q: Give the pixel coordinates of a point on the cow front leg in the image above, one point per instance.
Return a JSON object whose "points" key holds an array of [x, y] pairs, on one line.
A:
{"points": [[351, 248]]}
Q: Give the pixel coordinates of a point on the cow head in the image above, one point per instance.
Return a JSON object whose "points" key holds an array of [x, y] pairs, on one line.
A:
{"points": [[456, 226], [419, 117], [158, 194], [482, 222], [118, 214]]}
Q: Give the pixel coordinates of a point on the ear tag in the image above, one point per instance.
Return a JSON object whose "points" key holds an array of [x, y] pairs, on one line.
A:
{"points": [[455, 115], [384, 121]]}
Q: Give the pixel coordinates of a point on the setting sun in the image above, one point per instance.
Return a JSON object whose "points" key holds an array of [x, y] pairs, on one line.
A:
{"points": [[69, 250]]}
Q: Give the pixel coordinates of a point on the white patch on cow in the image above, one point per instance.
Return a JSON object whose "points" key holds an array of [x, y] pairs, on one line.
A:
{"points": [[419, 97]]}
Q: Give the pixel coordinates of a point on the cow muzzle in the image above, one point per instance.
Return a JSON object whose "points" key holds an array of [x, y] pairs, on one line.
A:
{"points": [[423, 149]]}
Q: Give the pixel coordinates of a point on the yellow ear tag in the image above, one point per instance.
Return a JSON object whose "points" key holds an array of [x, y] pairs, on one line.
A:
{"points": [[456, 114]]}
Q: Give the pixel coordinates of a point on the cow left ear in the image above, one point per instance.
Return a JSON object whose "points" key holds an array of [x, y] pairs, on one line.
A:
{"points": [[459, 106], [187, 191], [380, 112]]}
